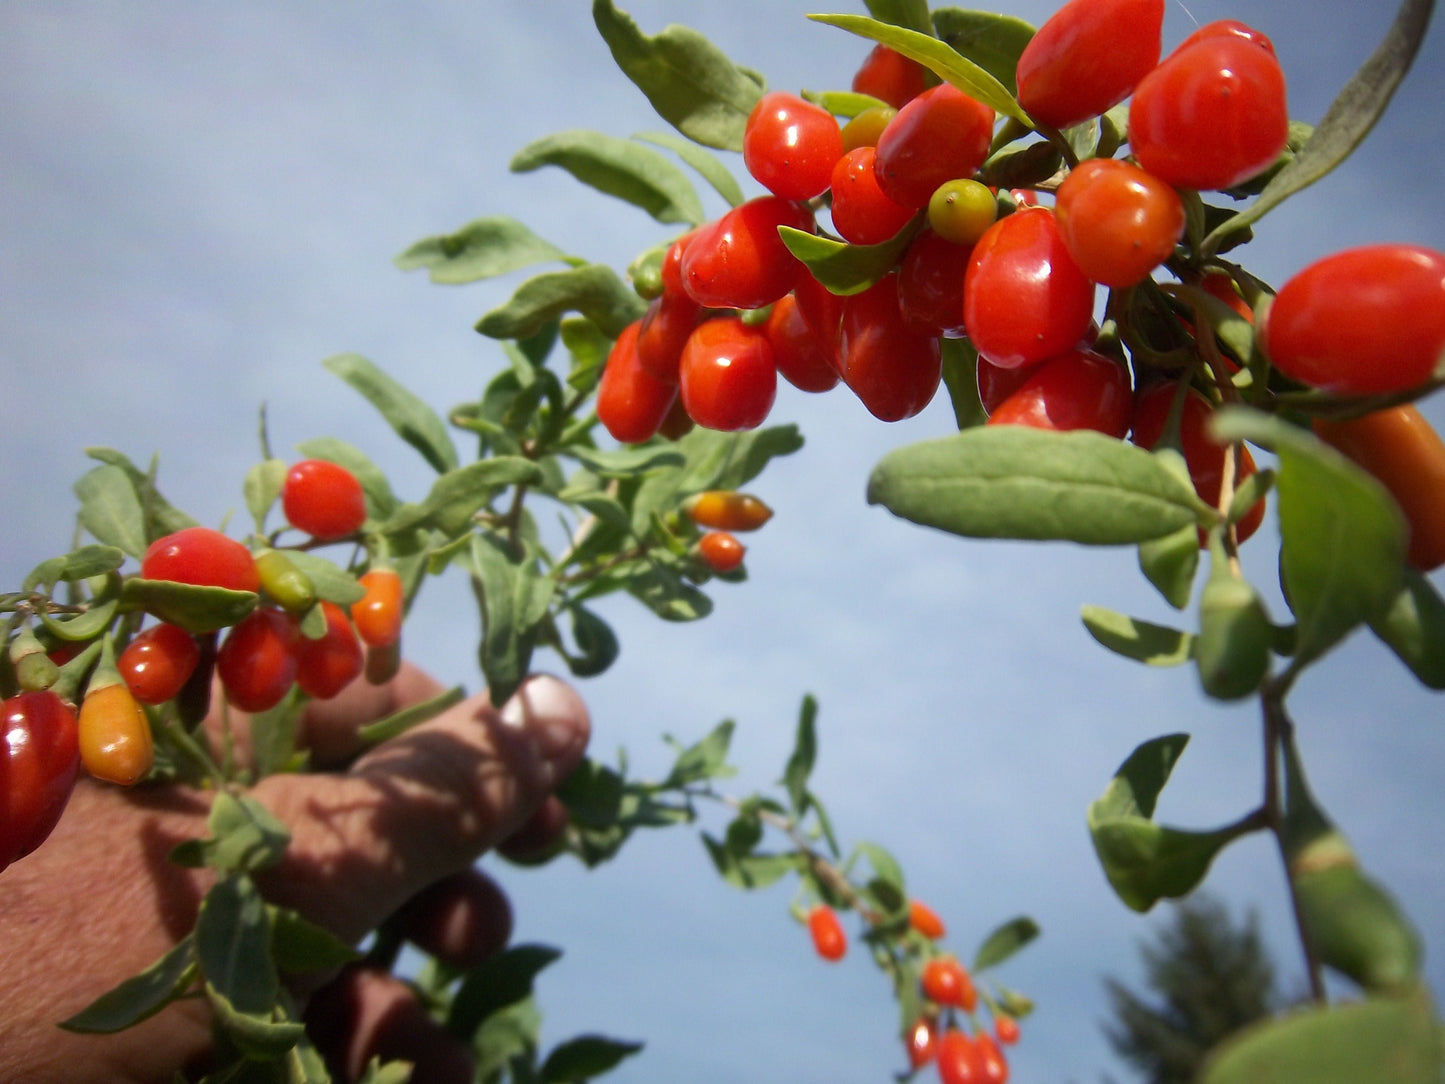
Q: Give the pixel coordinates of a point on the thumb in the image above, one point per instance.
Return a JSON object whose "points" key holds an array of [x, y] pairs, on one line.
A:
{"points": [[421, 806]]}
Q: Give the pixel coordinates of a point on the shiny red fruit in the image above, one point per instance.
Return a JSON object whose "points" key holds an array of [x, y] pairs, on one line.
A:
{"points": [[631, 402], [930, 285], [940, 135], [1079, 389], [199, 555], [862, 214], [728, 378], [958, 1059], [947, 982], [1087, 57], [1118, 222], [890, 77], [326, 666], [739, 261], [892, 369], [39, 761], [1024, 298], [158, 662], [668, 322], [720, 551], [1365, 321], [1211, 115], [324, 499], [802, 357], [257, 661], [829, 940], [790, 145]]}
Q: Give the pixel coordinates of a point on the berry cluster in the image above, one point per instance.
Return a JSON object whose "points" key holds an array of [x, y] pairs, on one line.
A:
{"points": [[916, 170], [281, 634], [945, 1032]]}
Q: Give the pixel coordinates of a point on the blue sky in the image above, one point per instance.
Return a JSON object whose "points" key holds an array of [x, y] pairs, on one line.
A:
{"points": [[200, 203]]}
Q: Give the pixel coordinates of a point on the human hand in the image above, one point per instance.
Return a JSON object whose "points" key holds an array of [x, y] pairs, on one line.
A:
{"points": [[397, 831]]}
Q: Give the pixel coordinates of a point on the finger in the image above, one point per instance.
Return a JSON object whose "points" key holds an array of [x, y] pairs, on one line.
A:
{"points": [[461, 920], [365, 1013], [421, 806], [540, 837]]}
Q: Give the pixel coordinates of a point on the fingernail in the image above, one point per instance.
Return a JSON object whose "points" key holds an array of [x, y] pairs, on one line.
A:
{"points": [[553, 714]]}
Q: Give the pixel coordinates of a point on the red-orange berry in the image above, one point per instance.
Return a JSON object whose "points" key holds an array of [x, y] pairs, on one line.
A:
{"points": [[829, 940]]}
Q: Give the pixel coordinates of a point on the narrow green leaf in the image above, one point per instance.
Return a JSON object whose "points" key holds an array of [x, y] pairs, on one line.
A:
{"points": [[622, 462], [886, 886], [619, 167], [233, 945], [261, 1036], [196, 609], [513, 598], [911, 14], [140, 996], [461, 492], [804, 755], [1170, 563], [843, 268], [414, 421], [1343, 538], [1017, 482], [707, 164], [1383, 1039], [500, 981], [843, 103], [1414, 629], [245, 836], [585, 1057], [748, 871], [938, 57], [299, 945], [1141, 641], [399, 722], [1348, 120], [110, 509], [1143, 861], [262, 487], [689, 81], [993, 42], [597, 644], [706, 759], [594, 290], [663, 591], [161, 517], [960, 377], [78, 564], [1004, 941], [482, 249]]}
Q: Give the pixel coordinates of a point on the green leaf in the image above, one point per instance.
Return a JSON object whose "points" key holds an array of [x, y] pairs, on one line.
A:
{"points": [[804, 755], [843, 103], [1348, 120], [633, 459], [667, 594], [498, 982], [1414, 629], [110, 509], [245, 836], [373, 480], [161, 517], [704, 760], [461, 492], [1384, 1040], [585, 1057], [960, 377], [1343, 538], [392, 1072], [731, 460], [1141, 641], [513, 598], [298, 944], [140, 996], [689, 81], [843, 268], [399, 722], [748, 871], [261, 1036], [78, 564], [592, 289], [596, 643], [619, 167], [233, 945], [1018, 482], [482, 249], [414, 421], [993, 42], [1004, 941], [262, 487], [885, 887], [1170, 563], [194, 608], [707, 164], [912, 14], [938, 57], [1144, 861]]}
